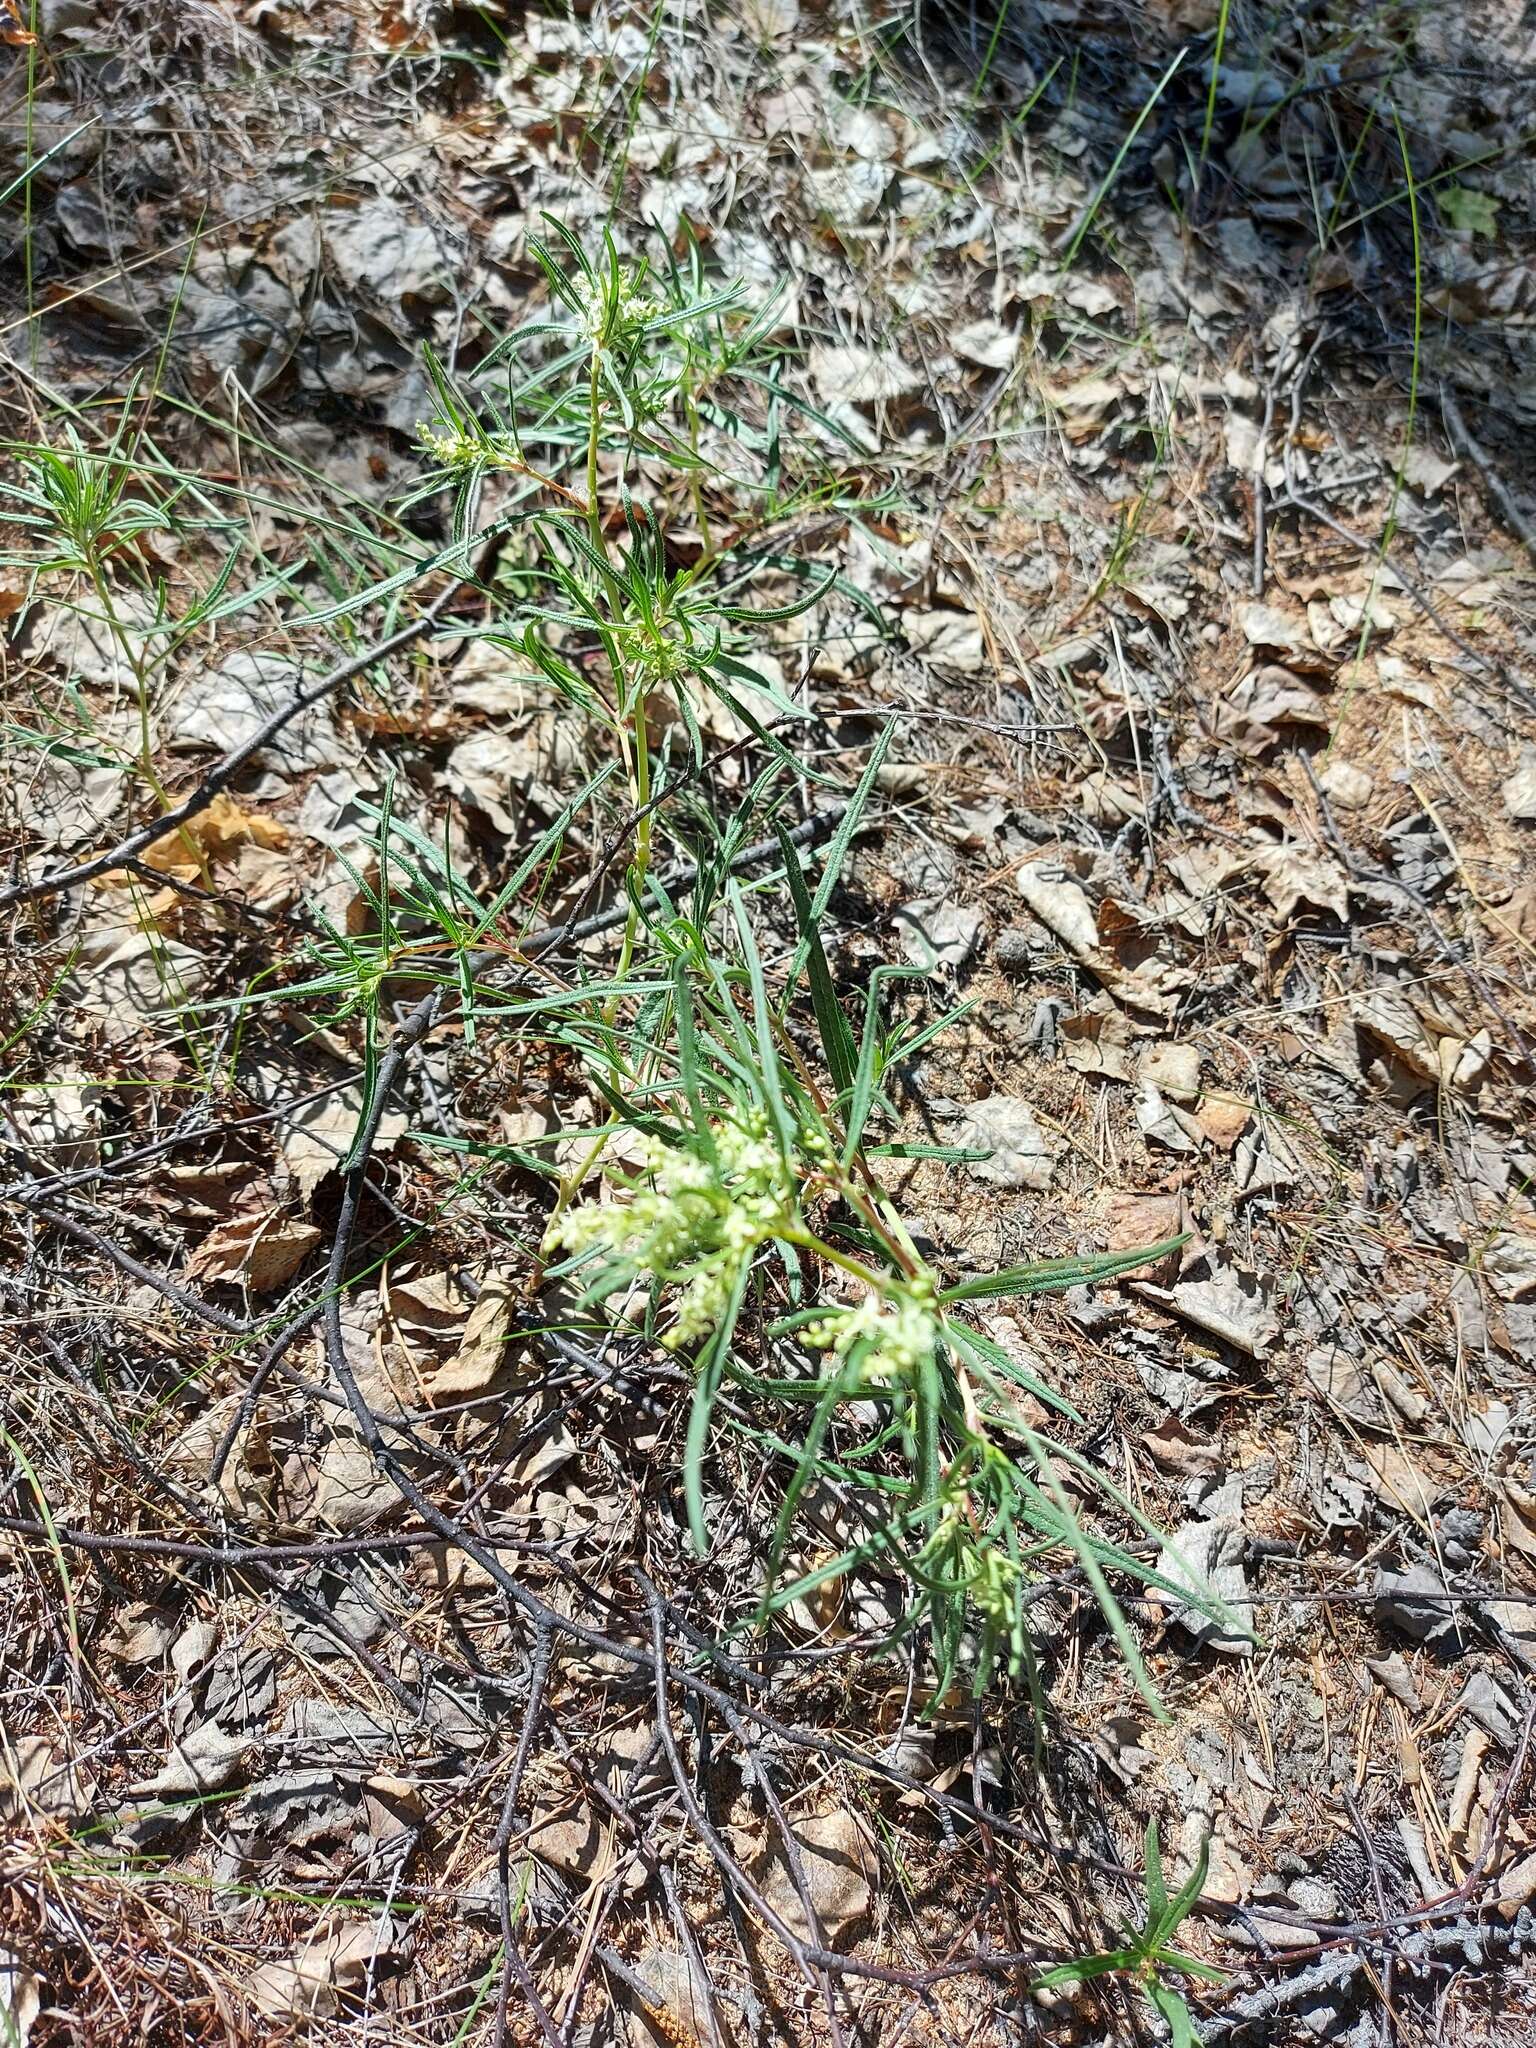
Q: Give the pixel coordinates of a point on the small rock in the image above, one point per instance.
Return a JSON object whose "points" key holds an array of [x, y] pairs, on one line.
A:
{"points": [[1022, 1156], [1346, 785], [937, 934], [948, 639], [676, 2007], [1015, 947]]}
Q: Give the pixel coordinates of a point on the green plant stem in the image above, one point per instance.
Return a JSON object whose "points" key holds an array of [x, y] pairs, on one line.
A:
{"points": [[139, 668], [641, 865], [28, 259], [594, 426]]}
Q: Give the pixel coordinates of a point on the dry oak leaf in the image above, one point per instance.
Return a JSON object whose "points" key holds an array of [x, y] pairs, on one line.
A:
{"points": [[1517, 1517], [1063, 907], [1292, 875], [260, 1251], [840, 1865], [1096, 1042], [223, 829]]}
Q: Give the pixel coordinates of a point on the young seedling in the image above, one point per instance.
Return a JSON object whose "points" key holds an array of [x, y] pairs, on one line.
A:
{"points": [[1147, 1953]]}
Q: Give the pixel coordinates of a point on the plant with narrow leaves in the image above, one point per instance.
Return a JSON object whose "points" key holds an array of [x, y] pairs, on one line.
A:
{"points": [[87, 519], [739, 1204], [1147, 1954], [758, 1230]]}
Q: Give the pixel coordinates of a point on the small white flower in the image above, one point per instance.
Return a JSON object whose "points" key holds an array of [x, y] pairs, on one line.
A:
{"points": [[899, 1327], [603, 319], [693, 1221]]}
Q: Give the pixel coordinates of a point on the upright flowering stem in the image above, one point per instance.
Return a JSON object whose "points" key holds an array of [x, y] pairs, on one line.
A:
{"points": [[594, 425], [642, 860]]}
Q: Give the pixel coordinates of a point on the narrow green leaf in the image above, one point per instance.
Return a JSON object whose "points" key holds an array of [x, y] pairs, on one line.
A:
{"points": [[837, 1040], [1054, 1274]]}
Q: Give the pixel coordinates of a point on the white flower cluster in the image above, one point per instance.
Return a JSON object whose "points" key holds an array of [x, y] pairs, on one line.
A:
{"points": [[899, 1329], [692, 1221], [603, 319], [458, 450]]}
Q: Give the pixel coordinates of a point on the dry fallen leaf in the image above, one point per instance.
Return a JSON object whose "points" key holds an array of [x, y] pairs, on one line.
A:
{"points": [[260, 1251], [1398, 1480], [204, 1760], [1207, 1558], [1173, 1068], [1509, 1262], [1232, 1305], [1338, 1378], [223, 829], [333, 1959], [861, 376], [1519, 792], [1096, 1042], [1517, 1517], [483, 1351], [1164, 1123], [986, 343], [1022, 1156], [1293, 875], [315, 1136], [676, 2003], [37, 1780], [21, 1999], [1178, 1450], [1387, 1017], [947, 639]]}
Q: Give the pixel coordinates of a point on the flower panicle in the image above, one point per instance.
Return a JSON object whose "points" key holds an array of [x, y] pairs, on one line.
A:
{"points": [[694, 1217], [459, 449], [893, 1331]]}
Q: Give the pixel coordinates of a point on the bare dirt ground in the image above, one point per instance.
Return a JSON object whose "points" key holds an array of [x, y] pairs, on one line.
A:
{"points": [[1182, 517]]}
